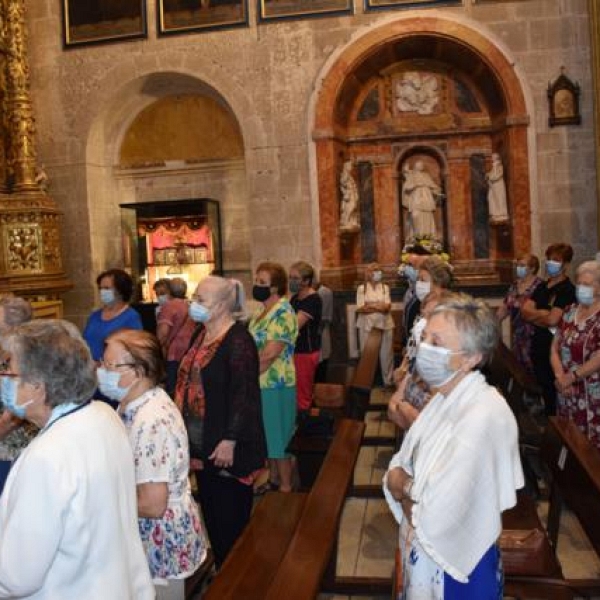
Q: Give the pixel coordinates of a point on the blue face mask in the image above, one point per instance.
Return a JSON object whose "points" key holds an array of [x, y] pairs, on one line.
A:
{"points": [[108, 382], [521, 271], [585, 294], [107, 296], [553, 267], [410, 273], [9, 387], [198, 312]]}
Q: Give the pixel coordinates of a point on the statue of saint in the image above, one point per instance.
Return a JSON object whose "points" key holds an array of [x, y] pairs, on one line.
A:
{"points": [[419, 193], [498, 209], [349, 218]]}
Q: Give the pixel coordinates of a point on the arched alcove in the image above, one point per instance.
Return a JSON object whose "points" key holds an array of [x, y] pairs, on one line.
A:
{"points": [[425, 87]]}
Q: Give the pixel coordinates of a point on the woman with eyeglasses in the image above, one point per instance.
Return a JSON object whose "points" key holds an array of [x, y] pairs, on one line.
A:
{"points": [[68, 514], [168, 518], [458, 467]]}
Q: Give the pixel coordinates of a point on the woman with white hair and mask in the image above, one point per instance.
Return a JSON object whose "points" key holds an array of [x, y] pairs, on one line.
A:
{"points": [[575, 355], [458, 467], [68, 513], [218, 394]]}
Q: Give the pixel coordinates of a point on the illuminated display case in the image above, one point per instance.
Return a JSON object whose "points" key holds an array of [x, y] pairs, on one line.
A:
{"points": [[177, 238]]}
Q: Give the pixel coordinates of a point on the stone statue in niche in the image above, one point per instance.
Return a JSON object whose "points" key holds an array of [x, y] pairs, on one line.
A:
{"points": [[419, 196], [417, 92], [349, 218], [498, 209]]}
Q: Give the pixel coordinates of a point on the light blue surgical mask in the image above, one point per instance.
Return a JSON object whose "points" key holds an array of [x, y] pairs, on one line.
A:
{"points": [[553, 267], [377, 276], [107, 295], [521, 271], [198, 312], [9, 387], [585, 294], [410, 273], [108, 382], [162, 299], [433, 364]]}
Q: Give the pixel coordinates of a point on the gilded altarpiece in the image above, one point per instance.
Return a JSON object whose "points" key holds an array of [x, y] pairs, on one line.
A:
{"points": [[30, 252]]}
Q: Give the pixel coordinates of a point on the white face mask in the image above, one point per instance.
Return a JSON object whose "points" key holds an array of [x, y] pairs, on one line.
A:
{"points": [[422, 288], [377, 276], [433, 364]]}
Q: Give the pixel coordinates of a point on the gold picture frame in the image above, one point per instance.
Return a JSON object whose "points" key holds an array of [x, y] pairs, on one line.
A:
{"points": [[188, 16], [277, 10], [395, 4], [102, 21]]}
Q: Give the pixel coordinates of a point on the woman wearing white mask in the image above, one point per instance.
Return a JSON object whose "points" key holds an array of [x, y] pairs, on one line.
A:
{"points": [[544, 310], [168, 518], [526, 282], [373, 309], [116, 288], [575, 355], [218, 394], [435, 275], [458, 467]]}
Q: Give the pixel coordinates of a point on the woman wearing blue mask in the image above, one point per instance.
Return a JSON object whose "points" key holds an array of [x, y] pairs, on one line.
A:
{"points": [[544, 311], [459, 466], [576, 355], [525, 284], [73, 487], [115, 287], [218, 394], [168, 518], [374, 310]]}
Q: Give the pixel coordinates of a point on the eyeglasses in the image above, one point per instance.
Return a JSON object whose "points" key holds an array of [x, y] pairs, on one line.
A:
{"points": [[110, 365]]}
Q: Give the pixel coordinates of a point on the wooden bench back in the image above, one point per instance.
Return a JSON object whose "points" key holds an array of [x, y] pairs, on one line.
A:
{"points": [[300, 573]]}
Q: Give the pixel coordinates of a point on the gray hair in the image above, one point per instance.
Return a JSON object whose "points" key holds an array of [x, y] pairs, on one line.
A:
{"points": [[16, 310], [178, 287], [475, 322], [52, 352], [223, 292], [590, 267], [440, 271]]}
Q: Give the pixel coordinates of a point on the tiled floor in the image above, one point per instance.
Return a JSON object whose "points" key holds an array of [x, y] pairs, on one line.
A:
{"points": [[368, 533]]}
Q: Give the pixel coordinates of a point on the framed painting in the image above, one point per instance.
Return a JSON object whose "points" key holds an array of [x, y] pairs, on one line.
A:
{"points": [[186, 16], [272, 10], [563, 101], [386, 4], [100, 21]]}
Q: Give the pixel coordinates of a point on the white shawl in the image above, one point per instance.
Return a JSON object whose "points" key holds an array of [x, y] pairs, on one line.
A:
{"points": [[463, 454]]}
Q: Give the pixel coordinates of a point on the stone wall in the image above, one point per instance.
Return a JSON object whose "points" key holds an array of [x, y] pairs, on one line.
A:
{"points": [[85, 98]]}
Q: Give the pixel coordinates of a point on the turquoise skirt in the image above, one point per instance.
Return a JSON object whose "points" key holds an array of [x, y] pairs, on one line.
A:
{"points": [[279, 418]]}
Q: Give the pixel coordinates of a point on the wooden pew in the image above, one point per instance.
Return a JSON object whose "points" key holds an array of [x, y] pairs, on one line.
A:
{"points": [[309, 563], [574, 465], [253, 561]]}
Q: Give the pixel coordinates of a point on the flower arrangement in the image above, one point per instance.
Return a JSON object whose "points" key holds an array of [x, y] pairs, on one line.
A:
{"points": [[430, 243]]}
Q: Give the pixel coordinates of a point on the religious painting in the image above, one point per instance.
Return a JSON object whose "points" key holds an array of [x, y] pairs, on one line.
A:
{"points": [[182, 16], [270, 10], [98, 21], [383, 4], [563, 102]]}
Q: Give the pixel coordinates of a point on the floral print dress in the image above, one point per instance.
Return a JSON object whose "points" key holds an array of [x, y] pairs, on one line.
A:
{"points": [[577, 342], [175, 544]]}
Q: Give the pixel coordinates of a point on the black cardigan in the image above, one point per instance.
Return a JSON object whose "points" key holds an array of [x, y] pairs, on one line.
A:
{"points": [[233, 402]]}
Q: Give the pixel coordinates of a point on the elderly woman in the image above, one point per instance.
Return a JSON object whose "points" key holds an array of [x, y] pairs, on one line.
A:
{"points": [[544, 310], [526, 268], [373, 309], [274, 328], [116, 288], [15, 433], [219, 395], [458, 467], [575, 355], [68, 511], [174, 328], [308, 306], [168, 517]]}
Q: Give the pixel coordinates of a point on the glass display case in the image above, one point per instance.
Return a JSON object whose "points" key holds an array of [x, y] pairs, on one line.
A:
{"points": [[176, 238]]}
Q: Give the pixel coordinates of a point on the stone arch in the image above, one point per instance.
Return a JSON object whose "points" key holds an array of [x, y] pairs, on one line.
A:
{"points": [[419, 35]]}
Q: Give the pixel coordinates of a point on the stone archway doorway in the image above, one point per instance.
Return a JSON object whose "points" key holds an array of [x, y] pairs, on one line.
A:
{"points": [[423, 87]]}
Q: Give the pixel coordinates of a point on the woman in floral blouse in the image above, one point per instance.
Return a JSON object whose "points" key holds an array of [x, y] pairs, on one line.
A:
{"points": [[275, 329], [168, 517]]}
